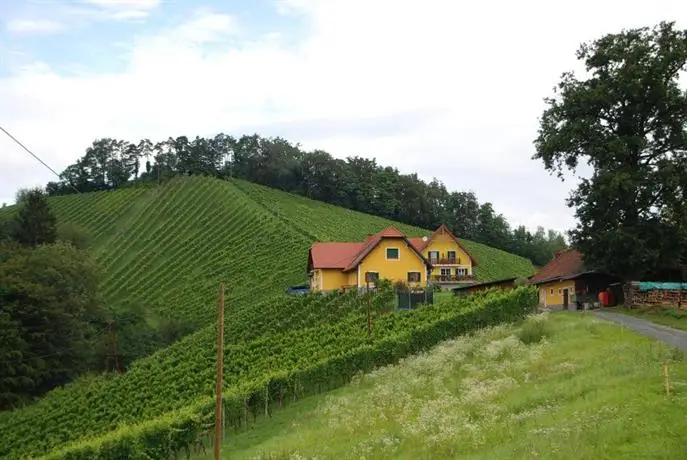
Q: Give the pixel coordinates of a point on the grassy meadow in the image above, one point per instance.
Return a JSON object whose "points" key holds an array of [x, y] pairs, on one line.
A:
{"points": [[563, 385]]}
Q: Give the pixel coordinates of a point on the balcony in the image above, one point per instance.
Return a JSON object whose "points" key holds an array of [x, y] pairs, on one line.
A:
{"points": [[444, 261], [452, 278]]}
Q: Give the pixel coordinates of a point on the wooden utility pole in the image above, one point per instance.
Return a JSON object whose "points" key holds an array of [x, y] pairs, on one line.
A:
{"points": [[220, 373], [369, 321], [113, 356]]}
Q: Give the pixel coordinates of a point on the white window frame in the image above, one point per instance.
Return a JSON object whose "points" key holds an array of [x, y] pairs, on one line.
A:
{"points": [[386, 253]]}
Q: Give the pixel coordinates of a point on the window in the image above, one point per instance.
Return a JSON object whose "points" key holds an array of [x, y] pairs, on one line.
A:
{"points": [[551, 291], [413, 277], [433, 256], [461, 271], [560, 291], [371, 276], [452, 256], [392, 253]]}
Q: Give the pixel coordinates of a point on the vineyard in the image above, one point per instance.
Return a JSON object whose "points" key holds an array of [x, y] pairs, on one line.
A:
{"points": [[166, 248], [324, 222], [172, 390]]}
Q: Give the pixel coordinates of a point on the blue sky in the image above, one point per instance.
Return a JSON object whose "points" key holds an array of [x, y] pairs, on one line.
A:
{"points": [[94, 35], [445, 89]]}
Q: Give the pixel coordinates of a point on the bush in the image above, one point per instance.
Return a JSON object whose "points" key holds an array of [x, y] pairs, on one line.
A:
{"points": [[535, 329], [75, 235]]}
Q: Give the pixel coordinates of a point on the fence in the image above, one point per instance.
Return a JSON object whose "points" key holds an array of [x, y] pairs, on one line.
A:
{"points": [[408, 300]]}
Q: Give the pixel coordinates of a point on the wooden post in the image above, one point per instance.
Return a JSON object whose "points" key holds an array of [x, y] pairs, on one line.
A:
{"points": [[220, 373], [665, 376], [369, 321], [267, 398]]}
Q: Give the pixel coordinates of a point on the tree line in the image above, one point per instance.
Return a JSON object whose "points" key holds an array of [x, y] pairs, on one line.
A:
{"points": [[355, 183], [54, 323]]}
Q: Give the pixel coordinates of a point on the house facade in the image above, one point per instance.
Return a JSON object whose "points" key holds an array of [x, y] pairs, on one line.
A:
{"points": [[390, 255], [565, 283], [452, 264]]}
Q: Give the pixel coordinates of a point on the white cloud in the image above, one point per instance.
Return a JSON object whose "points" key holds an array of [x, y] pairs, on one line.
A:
{"points": [[207, 26], [447, 89], [123, 10], [34, 26]]}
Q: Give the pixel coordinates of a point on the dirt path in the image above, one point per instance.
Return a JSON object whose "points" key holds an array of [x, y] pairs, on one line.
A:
{"points": [[665, 334]]}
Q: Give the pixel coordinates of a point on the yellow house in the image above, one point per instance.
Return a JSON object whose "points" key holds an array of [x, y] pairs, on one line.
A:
{"points": [[390, 255], [452, 264], [556, 280], [566, 283]]}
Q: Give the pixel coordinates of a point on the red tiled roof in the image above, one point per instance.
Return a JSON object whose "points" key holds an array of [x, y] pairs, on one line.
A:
{"points": [[347, 256], [417, 242], [565, 263], [333, 255]]}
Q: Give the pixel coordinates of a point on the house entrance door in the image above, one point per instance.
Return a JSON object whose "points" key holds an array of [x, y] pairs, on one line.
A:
{"points": [[565, 299]]}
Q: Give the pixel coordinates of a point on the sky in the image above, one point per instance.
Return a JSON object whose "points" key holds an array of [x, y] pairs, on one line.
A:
{"points": [[447, 89]]}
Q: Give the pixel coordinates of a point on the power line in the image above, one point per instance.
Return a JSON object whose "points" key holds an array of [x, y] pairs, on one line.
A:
{"points": [[35, 156]]}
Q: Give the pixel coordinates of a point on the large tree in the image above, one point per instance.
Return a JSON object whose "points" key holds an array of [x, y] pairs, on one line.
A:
{"points": [[35, 223], [627, 120], [50, 314]]}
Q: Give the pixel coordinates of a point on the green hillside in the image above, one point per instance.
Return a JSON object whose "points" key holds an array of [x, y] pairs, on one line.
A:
{"points": [[493, 396], [323, 222], [165, 401], [166, 248]]}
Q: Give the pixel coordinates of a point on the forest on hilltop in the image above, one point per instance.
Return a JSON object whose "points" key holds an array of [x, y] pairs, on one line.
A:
{"points": [[354, 183]]}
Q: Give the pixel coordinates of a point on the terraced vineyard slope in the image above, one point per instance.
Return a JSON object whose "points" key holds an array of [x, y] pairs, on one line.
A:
{"points": [[320, 221], [163, 402], [166, 248]]}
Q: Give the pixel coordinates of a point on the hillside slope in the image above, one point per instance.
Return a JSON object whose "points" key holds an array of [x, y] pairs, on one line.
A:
{"points": [[166, 248], [491, 396], [322, 343], [324, 222]]}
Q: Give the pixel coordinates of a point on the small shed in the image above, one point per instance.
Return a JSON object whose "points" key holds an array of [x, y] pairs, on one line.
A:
{"points": [[566, 283]]}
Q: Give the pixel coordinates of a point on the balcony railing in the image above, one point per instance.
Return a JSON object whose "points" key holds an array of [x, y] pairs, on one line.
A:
{"points": [[444, 261], [452, 278]]}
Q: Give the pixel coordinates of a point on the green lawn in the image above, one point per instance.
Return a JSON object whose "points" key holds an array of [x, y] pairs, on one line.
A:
{"points": [[666, 316], [589, 389]]}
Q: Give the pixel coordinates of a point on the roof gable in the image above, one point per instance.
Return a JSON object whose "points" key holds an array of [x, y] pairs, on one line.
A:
{"points": [[565, 263], [374, 240], [421, 244]]}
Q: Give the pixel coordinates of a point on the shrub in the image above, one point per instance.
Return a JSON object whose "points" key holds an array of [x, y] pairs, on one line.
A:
{"points": [[534, 329]]}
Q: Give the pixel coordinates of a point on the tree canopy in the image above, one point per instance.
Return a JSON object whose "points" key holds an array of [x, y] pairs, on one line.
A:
{"points": [[355, 183], [627, 119], [35, 223]]}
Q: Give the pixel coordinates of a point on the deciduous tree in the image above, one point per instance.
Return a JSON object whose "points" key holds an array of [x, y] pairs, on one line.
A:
{"points": [[627, 120], [35, 223]]}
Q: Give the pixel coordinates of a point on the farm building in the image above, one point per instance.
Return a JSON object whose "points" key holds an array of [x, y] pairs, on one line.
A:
{"points": [[389, 254], [508, 283], [565, 282]]}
